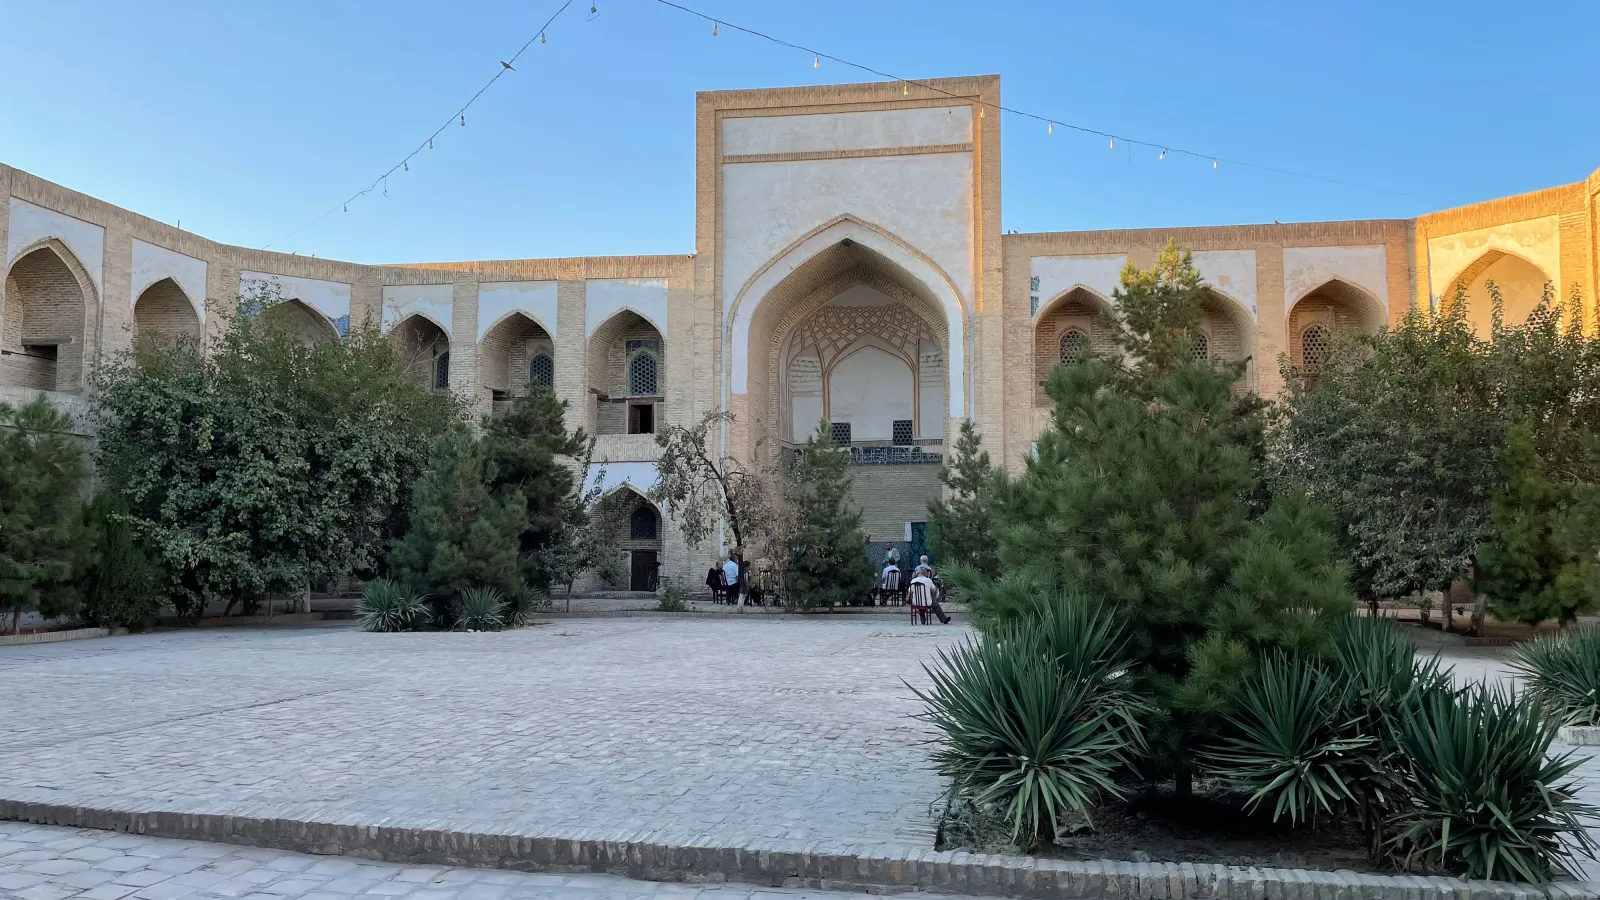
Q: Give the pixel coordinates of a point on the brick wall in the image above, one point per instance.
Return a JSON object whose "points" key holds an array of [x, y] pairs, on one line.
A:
{"points": [[891, 496], [42, 323], [164, 313]]}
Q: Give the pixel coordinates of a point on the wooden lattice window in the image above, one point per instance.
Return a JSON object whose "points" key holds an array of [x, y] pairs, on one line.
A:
{"points": [[441, 371], [542, 371], [902, 432], [642, 524], [1316, 342], [642, 374], [840, 432], [1073, 344], [1200, 346]]}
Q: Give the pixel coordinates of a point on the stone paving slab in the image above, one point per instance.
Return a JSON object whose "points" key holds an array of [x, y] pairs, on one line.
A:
{"points": [[732, 731], [47, 863]]}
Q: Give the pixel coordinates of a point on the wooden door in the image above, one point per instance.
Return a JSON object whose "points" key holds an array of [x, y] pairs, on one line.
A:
{"points": [[643, 571]]}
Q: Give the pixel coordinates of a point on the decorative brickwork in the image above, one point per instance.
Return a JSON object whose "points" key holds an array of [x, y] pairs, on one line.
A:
{"points": [[164, 313], [506, 355], [47, 300], [426, 347]]}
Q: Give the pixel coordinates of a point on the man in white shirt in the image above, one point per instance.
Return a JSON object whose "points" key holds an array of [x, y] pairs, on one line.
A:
{"points": [[889, 582], [730, 578]]}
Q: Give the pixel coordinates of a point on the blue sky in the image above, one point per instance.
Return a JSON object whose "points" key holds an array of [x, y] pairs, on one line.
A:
{"points": [[246, 121]]}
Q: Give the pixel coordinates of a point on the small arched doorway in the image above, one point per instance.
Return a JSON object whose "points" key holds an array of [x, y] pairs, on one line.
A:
{"points": [[426, 349], [163, 315], [42, 325], [643, 543], [295, 318]]}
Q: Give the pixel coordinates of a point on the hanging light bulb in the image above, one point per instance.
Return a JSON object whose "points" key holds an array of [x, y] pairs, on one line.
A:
{"points": [[594, 10], [463, 120], [1163, 153], [980, 112], [816, 61], [905, 89], [541, 37], [347, 207], [1113, 143], [430, 143], [407, 164], [1213, 164], [713, 27], [1050, 128]]}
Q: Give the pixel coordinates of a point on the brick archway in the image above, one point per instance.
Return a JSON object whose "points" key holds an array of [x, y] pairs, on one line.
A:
{"points": [[164, 313], [44, 323]]}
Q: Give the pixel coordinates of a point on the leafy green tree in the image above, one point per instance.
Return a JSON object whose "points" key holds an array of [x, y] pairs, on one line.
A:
{"points": [[1397, 436], [829, 564], [462, 536], [123, 587], [961, 524], [42, 475], [263, 463], [699, 487], [531, 455], [1526, 568]]}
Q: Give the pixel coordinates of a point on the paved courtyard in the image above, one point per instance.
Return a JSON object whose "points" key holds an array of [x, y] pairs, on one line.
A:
{"points": [[733, 731], [41, 863]]}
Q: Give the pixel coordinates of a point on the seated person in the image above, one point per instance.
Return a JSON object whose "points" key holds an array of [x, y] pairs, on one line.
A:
{"points": [[889, 582]]}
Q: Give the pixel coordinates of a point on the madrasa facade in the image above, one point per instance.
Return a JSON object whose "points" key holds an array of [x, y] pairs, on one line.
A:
{"points": [[848, 265]]}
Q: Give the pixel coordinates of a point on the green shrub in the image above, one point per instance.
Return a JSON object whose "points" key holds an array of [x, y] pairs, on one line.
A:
{"points": [[1563, 674], [384, 606], [1292, 744], [479, 610], [522, 605], [122, 588], [42, 553], [1486, 798], [1031, 732], [674, 598]]}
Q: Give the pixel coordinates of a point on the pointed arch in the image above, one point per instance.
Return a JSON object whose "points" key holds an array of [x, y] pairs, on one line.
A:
{"points": [[613, 348], [296, 317], [1079, 309], [1080, 294], [1360, 306], [507, 351], [165, 313], [1521, 283], [44, 322], [816, 256], [426, 347]]}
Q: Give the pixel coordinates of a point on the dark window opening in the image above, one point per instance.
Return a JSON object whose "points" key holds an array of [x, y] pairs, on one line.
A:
{"points": [[840, 432], [902, 432], [542, 371], [642, 524], [441, 371]]}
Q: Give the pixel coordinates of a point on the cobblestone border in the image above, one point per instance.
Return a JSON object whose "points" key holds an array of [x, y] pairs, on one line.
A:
{"points": [[1579, 735], [875, 869], [50, 637]]}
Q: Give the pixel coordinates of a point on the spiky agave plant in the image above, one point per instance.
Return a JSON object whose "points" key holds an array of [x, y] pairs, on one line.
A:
{"points": [[1024, 734], [522, 604], [1292, 742], [385, 606], [1563, 674], [1486, 798], [479, 610]]}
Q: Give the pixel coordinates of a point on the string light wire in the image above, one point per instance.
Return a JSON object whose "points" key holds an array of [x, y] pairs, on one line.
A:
{"points": [[427, 143], [818, 56]]}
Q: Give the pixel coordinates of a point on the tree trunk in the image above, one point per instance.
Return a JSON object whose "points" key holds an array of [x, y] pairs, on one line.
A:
{"points": [[16, 620]]}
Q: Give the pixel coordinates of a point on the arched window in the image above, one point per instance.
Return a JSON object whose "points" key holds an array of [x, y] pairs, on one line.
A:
{"points": [[1316, 342], [441, 371], [1073, 343], [1200, 346], [642, 374], [642, 524], [542, 371]]}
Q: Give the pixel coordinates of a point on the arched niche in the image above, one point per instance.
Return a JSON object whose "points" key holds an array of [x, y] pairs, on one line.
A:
{"points": [[164, 314], [1229, 332], [426, 349], [1072, 324], [515, 354], [49, 298], [627, 375], [1328, 313], [296, 318], [1520, 282], [643, 539]]}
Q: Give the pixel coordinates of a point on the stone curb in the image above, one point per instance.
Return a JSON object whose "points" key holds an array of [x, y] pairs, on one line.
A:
{"points": [[50, 637], [176, 624], [1579, 735], [873, 869]]}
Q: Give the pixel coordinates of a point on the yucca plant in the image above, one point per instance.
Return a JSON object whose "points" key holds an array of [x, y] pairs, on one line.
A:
{"points": [[1486, 798], [479, 610], [1292, 742], [385, 606], [1563, 674], [522, 605], [1029, 733]]}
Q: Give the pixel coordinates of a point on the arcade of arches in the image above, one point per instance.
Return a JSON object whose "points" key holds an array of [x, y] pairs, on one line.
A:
{"points": [[848, 265]]}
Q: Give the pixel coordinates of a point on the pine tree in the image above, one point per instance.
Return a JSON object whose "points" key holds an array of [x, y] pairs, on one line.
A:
{"points": [[830, 566], [42, 471], [461, 535], [961, 525], [1525, 566], [530, 455]]}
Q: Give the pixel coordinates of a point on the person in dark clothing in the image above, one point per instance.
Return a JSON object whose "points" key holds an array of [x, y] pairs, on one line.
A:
{"points": [[714, 583]]}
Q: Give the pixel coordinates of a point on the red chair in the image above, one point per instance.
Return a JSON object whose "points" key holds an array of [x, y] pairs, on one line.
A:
{"points": [[921, 604]]}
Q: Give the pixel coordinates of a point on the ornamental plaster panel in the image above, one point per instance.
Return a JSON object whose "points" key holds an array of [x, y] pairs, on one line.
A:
{"points": [[1052, 276], [1536, 240], [877, 130], [605, 297], [31, 224], [331, 298], [435, 302], [1230, 272], [534, 299], [1307, 268], [152, 263]]}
